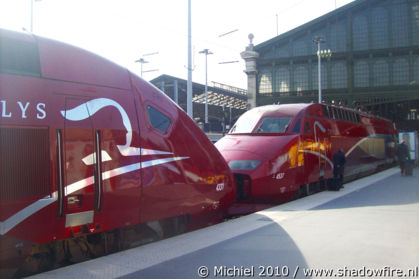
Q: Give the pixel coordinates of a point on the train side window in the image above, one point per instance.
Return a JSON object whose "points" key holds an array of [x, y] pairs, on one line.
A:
{"points": [[19, 57], [326, 111], [334, 113], [307, 129], [296, 128], [340, 112], [358, 118], [337, 116], [346, 115], [158, 120]]}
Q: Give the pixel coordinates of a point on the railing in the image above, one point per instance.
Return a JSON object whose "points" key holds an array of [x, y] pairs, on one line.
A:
{"points": [[229, 88]]}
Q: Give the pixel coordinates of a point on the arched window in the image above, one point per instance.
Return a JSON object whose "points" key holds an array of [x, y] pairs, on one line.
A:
{"points": [[300, 78], [265, 82], [398, 26], [339, 75], [338, 37], [400, 72], [282, 79], [361, 74], [379, 28], [360, 32], [381, 75]]}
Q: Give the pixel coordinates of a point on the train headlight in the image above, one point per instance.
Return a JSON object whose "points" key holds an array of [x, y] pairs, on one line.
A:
{"points": [[243, 164]]}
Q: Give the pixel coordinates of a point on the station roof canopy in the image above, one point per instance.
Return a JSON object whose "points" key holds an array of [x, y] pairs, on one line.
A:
{"points": [[218, 94]]}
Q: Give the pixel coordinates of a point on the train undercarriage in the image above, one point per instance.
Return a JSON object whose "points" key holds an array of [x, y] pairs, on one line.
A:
{"points": [[60, 253]]}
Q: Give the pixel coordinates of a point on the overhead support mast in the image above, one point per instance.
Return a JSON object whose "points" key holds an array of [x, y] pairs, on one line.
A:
{"points": [[189, 108], [206, 52]]}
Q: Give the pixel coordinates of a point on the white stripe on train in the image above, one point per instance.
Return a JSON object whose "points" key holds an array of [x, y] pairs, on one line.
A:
{"points": [[31, 209]]}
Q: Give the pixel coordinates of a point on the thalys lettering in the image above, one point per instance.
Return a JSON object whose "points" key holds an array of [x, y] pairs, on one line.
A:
{"points": [[26, 109]]}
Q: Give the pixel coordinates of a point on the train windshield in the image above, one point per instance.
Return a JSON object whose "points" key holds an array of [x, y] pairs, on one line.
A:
{"points": [[247, 124], [274, 125]]}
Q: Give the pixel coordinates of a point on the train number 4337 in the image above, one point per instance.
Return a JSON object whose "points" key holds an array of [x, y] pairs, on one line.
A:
{"points": [[278, 175]]}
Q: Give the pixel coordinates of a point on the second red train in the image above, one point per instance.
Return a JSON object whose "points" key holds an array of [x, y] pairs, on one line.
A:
{"points": [[281, 152]]}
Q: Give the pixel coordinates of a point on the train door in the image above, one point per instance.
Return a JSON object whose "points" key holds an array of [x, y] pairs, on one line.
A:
{"points": [[82, 184], [320, 146], [308, 148]]}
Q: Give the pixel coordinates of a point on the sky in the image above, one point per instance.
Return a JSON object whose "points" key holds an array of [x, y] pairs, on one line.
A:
{"points": [[124, 31]]}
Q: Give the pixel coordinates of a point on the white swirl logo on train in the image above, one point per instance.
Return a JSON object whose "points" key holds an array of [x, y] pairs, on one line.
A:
{"points": [[78, 113]]}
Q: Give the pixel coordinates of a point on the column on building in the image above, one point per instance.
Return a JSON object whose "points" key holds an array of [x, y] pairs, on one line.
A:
{"points": [[250, 56]]}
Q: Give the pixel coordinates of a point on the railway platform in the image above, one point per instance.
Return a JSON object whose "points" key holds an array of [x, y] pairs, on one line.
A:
{"points": [[369, 229]]}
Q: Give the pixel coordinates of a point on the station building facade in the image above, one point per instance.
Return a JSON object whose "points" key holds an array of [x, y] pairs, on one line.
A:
{"points": [[374, 62]]}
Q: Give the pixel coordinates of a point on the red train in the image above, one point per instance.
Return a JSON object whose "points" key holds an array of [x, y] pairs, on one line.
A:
{"points": [[280, 152], [93, 157]]}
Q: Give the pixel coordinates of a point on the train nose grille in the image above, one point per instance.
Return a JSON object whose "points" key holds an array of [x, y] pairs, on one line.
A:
{"points": [[244, 186]]}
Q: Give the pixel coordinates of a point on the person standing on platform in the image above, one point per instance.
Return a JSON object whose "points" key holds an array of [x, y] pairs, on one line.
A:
{"points": [[404, 156], [339, 161]]}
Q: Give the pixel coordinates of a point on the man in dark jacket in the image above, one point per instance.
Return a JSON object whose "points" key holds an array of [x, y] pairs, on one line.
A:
{"points": [[404, 155], [339, 161]]}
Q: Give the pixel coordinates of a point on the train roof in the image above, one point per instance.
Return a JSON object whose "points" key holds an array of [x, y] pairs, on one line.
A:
{"points": [[285, 109], [62, 61], [312, 109]]}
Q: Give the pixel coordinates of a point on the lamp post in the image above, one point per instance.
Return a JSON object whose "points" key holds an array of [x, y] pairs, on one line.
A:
{"points": [[321, 54], [32, 13], [189, 93], [206, 52]]}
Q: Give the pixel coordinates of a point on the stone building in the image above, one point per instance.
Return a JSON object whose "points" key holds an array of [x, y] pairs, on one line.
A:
{"points": [[374, 62]]}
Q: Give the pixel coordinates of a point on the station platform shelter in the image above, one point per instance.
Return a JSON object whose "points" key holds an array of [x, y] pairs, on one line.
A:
{"points": [[225, 103]]}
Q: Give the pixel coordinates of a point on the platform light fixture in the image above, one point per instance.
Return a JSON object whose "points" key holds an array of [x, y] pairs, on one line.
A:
{"points": [[143, 61], [321, 54]]}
